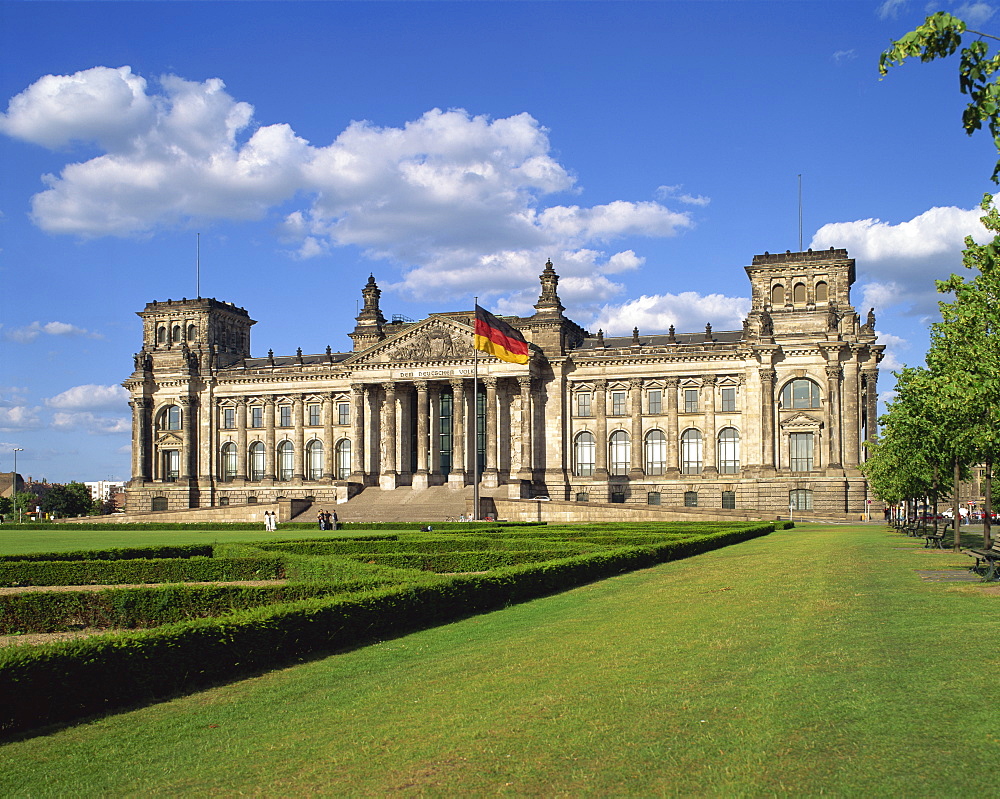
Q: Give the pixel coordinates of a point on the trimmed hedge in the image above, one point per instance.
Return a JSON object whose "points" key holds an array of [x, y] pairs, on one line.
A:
{"points": [[69, 680], [189, 551], [116, 572], [421, 544], [452, 562]]}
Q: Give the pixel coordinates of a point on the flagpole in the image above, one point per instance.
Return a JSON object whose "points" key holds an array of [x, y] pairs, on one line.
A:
{"points": [[475, 418]]}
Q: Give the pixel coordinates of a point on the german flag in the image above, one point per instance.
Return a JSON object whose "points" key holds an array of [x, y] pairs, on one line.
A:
{"points": [[498, 338]]}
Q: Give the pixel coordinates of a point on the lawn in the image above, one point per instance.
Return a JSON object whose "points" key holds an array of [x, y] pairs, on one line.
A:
{"points": [[813, 660]]}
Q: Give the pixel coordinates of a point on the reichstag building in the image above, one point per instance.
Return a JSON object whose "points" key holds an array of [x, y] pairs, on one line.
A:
{"points": [[772, 416]]}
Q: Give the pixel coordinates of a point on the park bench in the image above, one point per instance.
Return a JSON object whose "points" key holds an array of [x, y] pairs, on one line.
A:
{"points": [[986, 559], [934, 539]]}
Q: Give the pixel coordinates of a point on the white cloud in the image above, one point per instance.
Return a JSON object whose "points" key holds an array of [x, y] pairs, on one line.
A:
{"points": [[975, 13], [901, 262], [892, 361], [29, 333], [675, 193], [450, 198], [92, 423], [90, 397], [19, 417], [890, 9], [688, 312], [844, 55]]}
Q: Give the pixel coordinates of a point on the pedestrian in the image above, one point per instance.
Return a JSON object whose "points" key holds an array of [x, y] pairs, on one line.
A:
{"points": [[333, 518], [267, 521], [321, 518]]}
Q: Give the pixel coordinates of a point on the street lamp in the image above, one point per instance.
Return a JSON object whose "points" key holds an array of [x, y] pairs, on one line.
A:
{"points": [[13, 484]]}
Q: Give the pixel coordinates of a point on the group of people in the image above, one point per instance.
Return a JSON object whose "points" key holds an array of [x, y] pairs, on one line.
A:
{"points": [[270, 521], [327, 520]]}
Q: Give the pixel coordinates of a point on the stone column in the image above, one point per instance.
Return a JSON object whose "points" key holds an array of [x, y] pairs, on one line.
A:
{"points": [[456, 478], [870, 377], [673, 434], [710, 449], [270, 456], [491, 476], [329, 445], [851, 413], [767, 432], [388, 477], [358, 432], [141, 438], [189, 407], [241, 439], [601, 426], [433, 431], [526, 470], [834, 374], [421, 477], [298, 440], [635, 398]]}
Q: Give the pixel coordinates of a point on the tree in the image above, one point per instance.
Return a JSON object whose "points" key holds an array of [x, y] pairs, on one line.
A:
{"points": [[72, 499]]}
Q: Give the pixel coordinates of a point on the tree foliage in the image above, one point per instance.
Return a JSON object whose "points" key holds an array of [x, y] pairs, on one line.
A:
{"points": [[72, 499]]}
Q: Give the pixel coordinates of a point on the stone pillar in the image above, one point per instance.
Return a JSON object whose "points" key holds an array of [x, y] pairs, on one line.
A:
{"points": [[834, 374], [526, 470], [358, 432], [601, 426], [456, 477], [388, 477], [421, 477], [711, 446], [298, 441], [433, 431], [491, 476], [870, 377], [635, 398], [241, 439], [141, 438], [329, 445], [673, 433], [270, 456], [189, 407], [851, 413], [767, 431]]}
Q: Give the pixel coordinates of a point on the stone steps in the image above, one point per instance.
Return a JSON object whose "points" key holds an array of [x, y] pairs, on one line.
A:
{"points": [[405, 504]]}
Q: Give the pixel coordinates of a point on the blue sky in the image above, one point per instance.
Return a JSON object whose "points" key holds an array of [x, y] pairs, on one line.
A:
{"points": [[650, 149]]}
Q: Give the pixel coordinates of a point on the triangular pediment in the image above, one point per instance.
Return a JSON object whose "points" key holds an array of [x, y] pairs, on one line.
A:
{"points": [[434, 340], [801, 421], [169, 439]]}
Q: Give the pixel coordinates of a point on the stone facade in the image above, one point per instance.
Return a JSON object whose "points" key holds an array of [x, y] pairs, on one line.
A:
{"points": [[750, 420]]}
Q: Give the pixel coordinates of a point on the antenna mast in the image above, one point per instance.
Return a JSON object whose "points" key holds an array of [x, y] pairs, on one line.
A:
{"points": [[800, 213], [197, 266]]}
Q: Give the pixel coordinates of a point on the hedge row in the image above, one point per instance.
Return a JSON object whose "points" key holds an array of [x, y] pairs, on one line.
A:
{"points": [[59, 682], [132, 553], [117, 572], [128, 608], [258, 526], [412, 543], [454, 562]]}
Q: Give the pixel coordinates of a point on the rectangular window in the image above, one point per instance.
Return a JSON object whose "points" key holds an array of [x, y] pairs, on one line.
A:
{"points": [[690, 400], [582, 496], [800, 452], [653, 498], [314, 416], [171, 464], [343, 413], [729, 400], [690, 499], [223, 500], [256, 416], [229, 418], [284, 416], [618, 497], [583, 403], [654, 400], [618, 403], [729, 500], [800, 499]]}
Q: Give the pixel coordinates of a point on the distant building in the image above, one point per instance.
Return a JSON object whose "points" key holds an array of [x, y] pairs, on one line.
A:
{"points": [[7, 484], [771, 416], [103, 490]]}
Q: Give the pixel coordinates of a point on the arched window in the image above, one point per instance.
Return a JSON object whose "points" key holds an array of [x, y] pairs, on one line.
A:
{"points": [[176, 333], [729, 451], [343, 454], [691, 453], [161, 335], [584, 452], [255, 463], [314, 460], [620, 452], [228, 461], [799, 292], [286, 460], [800, 393], [159, 503], [822, 291], [777, 294], [170, 418], [800, 499], [655, 461], [192, 332]]}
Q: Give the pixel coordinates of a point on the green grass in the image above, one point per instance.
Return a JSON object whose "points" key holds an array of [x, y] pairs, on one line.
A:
{"points": [[811, 661]]}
